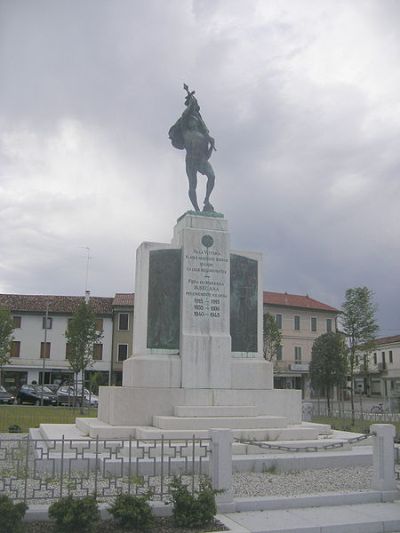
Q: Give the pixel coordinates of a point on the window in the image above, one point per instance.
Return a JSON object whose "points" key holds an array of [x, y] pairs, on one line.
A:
{"points": [[45, 350], [67, 350], [97, 352], [99, 324], [297, 355], [15, 348], [297, 323], [122, 352], [49, 323], [329, 325], [123, 321], [383, 360], [375, 359], [17, 322], [278, 320], [279, 354], [390, 356], [313, 323]]}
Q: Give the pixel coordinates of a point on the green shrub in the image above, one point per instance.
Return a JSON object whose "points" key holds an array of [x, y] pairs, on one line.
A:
{"points": [[71, 514], [193, 510], [14, 428], [131, 511], [11, 515]]}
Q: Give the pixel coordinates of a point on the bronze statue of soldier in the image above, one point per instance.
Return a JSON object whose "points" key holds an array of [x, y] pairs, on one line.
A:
{"points": [[191, 134]]}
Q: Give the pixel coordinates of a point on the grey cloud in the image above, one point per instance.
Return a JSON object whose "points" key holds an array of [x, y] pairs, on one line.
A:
{"points": [[289, 146]]}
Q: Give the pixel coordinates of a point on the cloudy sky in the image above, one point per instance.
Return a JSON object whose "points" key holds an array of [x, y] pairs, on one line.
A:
{"points": [[302, 97]]}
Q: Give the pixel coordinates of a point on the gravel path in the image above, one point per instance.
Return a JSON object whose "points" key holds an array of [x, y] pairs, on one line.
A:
{"points": [[350, 479]]}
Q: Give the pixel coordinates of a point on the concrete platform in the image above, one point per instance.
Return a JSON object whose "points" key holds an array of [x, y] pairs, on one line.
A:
{"points": [[215, 410], [93, 427], [358, 518], [262, 434], [236, 422]]}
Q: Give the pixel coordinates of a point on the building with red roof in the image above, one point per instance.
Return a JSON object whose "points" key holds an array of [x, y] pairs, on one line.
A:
{"points": [[300, 318]]}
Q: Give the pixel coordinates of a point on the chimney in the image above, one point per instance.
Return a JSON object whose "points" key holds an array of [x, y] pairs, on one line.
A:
{"points": [[87, 296]]}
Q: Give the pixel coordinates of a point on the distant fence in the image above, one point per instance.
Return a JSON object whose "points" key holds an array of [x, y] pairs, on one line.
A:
{"points": [[376, 413], [33, 470]]}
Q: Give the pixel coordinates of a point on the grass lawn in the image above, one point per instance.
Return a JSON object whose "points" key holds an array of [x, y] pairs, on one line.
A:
{"points": [[27, 416], [360, 426]]}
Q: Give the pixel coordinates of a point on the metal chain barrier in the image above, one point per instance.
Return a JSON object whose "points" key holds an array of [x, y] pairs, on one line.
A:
{"points": [[330, 446]]}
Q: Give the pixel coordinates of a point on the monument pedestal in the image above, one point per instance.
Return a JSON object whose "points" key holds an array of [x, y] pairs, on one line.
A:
{"points": [[193, 297], [197, 360], [197, 340]]}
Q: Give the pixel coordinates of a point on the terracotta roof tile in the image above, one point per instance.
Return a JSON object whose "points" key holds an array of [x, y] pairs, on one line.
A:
{"points": [[57, 304], [387, 340], [68, 304], [296, 300], [124, 298]]}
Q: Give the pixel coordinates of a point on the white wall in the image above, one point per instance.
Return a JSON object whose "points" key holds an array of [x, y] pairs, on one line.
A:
{"points": [[31, 335]]}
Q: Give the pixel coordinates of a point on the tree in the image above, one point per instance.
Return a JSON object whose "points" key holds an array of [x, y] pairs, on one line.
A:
{"points": [[6, 329], [271, 337], [360, 327], [81, 336], [328, 366]]}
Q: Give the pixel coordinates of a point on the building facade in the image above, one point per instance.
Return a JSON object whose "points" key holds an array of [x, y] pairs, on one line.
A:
{"points": [[39, 349], [381, 377], [301, 320], [123, 305], [39, 353]]}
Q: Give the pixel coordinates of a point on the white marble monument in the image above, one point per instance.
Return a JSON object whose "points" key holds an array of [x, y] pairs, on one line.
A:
{"points": [[197, 360]]}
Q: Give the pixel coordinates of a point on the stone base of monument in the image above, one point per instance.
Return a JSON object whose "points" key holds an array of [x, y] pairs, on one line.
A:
{"points": [[248, 422], [197, 361]]}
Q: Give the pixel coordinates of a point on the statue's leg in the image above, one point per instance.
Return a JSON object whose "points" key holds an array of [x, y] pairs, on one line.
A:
{"points": [[192, 176], [209, 172]]}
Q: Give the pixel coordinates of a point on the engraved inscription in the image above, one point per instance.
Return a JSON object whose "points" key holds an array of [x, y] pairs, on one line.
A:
{"points": [[206, 282]]}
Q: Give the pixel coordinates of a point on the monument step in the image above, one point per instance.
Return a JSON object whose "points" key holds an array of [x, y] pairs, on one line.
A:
{"points": [[151, 432], [60, 431], [93, 427], [196, 411], [245, 422], [272, 434]]}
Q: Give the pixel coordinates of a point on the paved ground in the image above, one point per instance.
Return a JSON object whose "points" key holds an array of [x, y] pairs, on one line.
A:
{"points": [[362, 518]]}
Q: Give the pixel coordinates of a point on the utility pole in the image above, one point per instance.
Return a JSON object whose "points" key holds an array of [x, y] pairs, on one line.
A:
{"points": [[46, 321], [87, 266]]}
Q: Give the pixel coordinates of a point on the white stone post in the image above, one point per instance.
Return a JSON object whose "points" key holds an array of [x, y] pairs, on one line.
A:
{"points": [[383, 477], [221, 463]]}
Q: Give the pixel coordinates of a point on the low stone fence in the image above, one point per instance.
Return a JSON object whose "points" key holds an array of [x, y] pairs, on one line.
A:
{"points": [[38, 471], [384, 457]]}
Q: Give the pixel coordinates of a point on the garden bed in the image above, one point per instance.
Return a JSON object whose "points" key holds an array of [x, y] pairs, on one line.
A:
{"points": [[162, 525]]}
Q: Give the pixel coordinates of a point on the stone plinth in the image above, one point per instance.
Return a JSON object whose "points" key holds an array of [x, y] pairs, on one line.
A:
{"points": [[198, 312], [198, 340], [205, 338]]}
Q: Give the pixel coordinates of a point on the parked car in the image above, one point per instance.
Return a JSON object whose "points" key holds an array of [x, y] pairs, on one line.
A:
{"points": [[67, 395], [91, 399], [33, 394], [53, 388], [5, 396]]}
